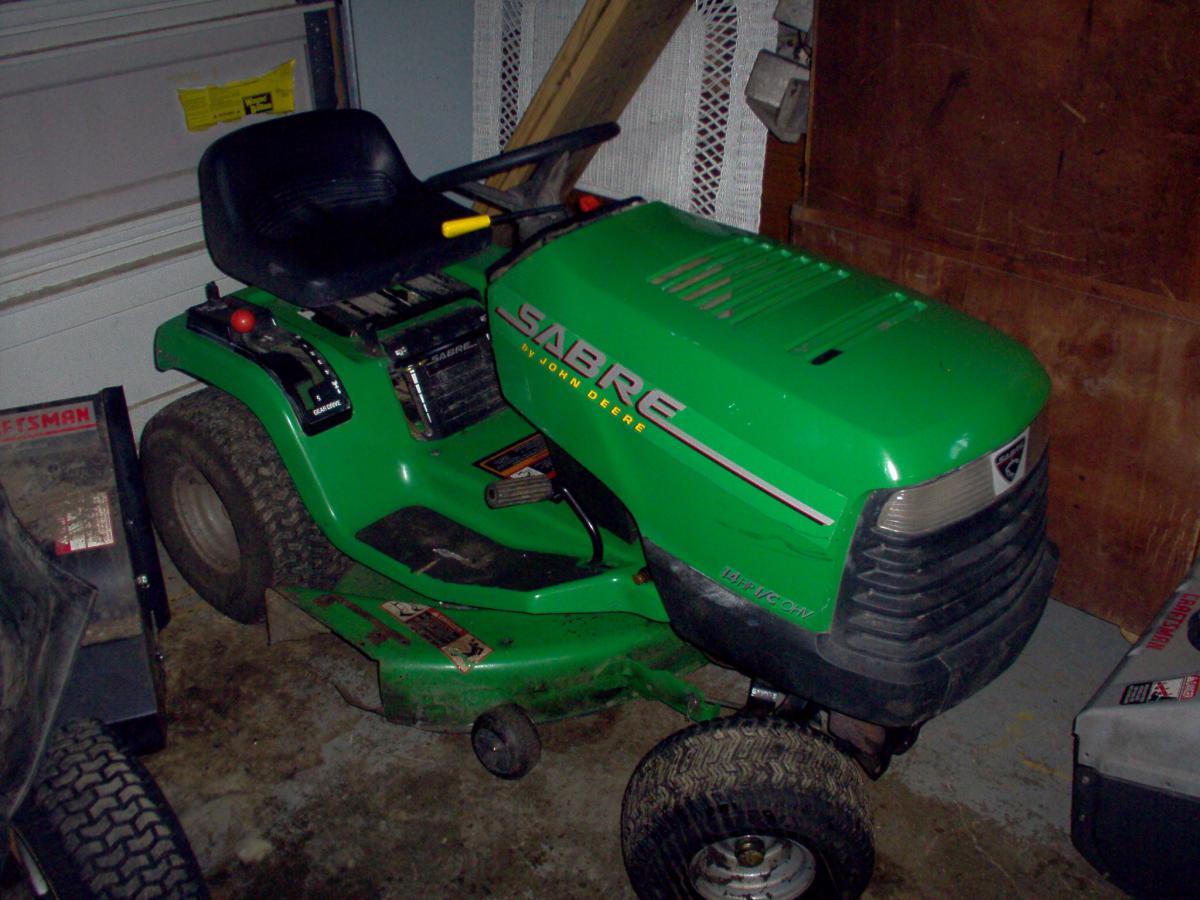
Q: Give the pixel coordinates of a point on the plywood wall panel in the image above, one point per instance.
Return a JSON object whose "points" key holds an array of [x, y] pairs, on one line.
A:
{"points": [[1063, 134], [783, 181]]}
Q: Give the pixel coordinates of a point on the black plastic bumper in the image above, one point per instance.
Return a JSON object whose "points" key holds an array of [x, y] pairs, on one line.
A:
{"points": [[921, 623]]}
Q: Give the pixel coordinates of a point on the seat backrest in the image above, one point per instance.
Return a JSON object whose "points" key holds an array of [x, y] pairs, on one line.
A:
{"points": [[273, 181], [317, 207]]}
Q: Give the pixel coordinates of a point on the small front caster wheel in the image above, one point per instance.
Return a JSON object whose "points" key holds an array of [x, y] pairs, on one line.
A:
{"points": [[506, 742]]}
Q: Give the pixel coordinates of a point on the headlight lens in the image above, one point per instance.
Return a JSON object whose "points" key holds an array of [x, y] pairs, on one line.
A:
{"points": [[958, 494]]}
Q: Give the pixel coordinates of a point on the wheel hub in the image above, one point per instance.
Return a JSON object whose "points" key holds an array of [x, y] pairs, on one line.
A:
{"points": [[205, 519], [750, 852], [752, 867]]}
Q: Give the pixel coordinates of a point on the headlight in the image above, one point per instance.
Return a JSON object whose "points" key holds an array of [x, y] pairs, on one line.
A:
{"points": [[958, 494]]}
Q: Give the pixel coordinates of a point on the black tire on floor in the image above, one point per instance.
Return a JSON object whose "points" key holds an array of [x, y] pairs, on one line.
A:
{"points": [[225, 506], [96, 825], [506, 741], [747, 807]]}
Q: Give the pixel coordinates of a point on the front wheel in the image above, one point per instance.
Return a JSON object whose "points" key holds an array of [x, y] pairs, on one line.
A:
{"points": [[747, 808], [95, 825], [506, 741]]}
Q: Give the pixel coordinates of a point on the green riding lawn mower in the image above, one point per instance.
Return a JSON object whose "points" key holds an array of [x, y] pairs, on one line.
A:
{"points": [[539, 464]]}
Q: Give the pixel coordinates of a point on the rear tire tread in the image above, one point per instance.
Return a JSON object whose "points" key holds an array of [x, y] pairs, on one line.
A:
{"points": [[220, 427], [100, 827]]}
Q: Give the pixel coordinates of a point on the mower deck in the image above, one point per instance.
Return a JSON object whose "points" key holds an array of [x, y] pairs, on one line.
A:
{"points": [[441, 666]]}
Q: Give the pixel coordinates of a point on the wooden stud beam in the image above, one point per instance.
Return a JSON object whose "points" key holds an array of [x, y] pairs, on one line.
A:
{"points": [[611, 47]]}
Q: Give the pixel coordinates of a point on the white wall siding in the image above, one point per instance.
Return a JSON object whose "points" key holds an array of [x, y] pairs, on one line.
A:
{"points": [[100, 237], [102, 334]]}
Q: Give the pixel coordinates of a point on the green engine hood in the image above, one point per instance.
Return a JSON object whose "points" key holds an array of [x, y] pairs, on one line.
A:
{"points": [[831, 371], [743, 398]]}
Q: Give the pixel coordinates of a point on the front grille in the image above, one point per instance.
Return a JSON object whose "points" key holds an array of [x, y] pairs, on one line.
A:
{"points": [[907, 599]]}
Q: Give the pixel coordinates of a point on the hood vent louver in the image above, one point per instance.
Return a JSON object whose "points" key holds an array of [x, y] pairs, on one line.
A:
{"points": [[744, 278], [845, 331]]}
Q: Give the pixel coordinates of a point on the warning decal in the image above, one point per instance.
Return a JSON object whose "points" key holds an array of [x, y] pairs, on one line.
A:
{"points": [[273, 92], [528, 456], [460, 646], [1184, 688], [85, 525]]}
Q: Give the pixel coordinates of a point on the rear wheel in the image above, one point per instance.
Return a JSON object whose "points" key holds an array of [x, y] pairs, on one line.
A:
{"points": [[95, 825], [747, 808], [225, 506]]}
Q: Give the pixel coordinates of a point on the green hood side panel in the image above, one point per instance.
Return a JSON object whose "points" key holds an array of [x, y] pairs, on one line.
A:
{"points": [[367, 467], [794, 387]]}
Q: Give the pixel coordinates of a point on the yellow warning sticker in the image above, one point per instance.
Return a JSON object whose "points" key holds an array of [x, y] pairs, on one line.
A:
{"points": [[274, 92]]}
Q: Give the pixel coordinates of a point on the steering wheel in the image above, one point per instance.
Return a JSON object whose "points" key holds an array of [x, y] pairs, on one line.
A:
{"points": [[544, 187]]}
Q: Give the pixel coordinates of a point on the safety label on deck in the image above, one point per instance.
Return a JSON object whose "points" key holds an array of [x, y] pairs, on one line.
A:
{"points": [[1185, 688], [528, 456], [86, 524], [460, 646]]}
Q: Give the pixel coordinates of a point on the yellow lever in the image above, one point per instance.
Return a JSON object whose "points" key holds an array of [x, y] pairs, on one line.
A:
{"points": [[457, 227]]}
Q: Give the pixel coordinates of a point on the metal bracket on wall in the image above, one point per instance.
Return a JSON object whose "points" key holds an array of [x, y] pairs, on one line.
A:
{"points": [[777, 90]]}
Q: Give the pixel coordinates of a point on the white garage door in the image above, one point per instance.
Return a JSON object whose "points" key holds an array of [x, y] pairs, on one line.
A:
{"points": [[100, 235]]}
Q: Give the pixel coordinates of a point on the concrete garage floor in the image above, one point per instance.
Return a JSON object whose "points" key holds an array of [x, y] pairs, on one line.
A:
{"points": [[287, 790]]}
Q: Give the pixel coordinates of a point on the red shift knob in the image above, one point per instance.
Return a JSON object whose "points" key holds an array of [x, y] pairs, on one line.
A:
{"points": [[242, 321]]}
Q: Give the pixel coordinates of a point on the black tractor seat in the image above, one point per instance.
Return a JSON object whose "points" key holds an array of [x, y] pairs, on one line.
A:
{"points": [[318, 207]]}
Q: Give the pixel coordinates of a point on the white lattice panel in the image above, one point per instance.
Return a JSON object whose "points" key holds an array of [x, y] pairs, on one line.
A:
{"points": [[687, 137]]}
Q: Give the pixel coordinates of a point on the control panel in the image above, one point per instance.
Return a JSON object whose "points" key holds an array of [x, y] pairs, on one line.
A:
{"points": [[312, 387]]}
